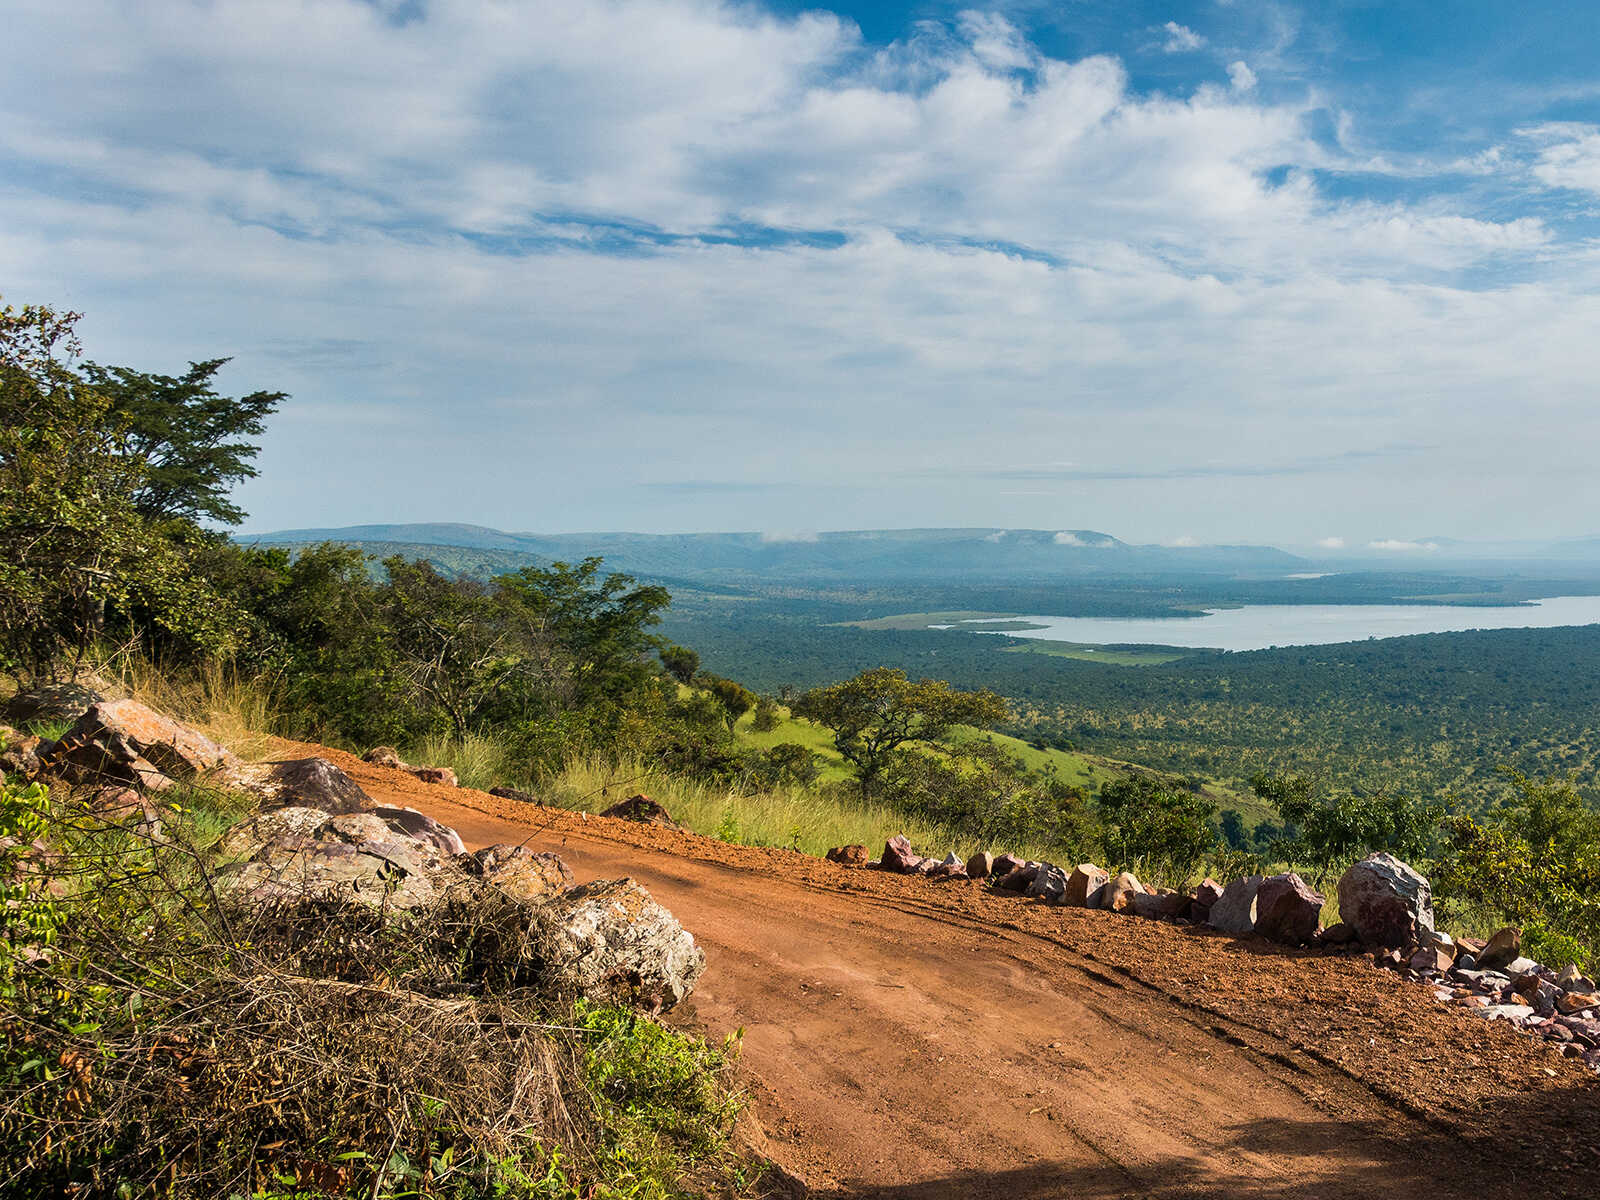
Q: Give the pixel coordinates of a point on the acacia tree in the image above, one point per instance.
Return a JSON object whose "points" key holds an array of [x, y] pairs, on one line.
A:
{"points": [[1156, 827], [880, 710], [74, 546]]}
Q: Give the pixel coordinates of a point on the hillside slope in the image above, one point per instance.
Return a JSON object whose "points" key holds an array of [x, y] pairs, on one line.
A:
{"points": [[918, 1041]]}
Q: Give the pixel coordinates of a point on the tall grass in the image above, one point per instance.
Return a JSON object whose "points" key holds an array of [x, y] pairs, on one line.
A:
{"points": [[239, 711]]}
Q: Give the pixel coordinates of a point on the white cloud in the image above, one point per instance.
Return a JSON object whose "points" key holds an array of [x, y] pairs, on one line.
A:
{"points": [[1570, 157], [1069, 539], [1397, 546], [1182, 543], [998, 535], [1180, 39], [1240, 77], [1331, 543]]}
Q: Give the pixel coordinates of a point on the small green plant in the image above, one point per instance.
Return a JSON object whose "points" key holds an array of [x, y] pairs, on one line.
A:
{"points": [[728, 827]]}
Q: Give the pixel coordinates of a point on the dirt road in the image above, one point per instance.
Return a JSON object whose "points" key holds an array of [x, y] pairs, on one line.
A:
{"points": [[919, 1040]]}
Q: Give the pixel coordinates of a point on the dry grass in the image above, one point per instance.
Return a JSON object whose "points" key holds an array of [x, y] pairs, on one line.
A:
{"points": [[238, 711]]}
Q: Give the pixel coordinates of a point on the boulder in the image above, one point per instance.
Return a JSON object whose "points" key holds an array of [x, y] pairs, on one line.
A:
{"points": [[1158, 906], [1572, 979], [642, 810], [511, 793], [848, 856], [1287, 911], [610, 942], [1015, 880], [52, 702], [1086, 879], [1341, 933], [298, 853], [1049, 884], [123, 742], [1235, 910], [1207, 894], [947, 869], [1119, 893], [899, 857], [19, 753], [444, 776], [979, 865], [519, 871], [386, 756], [302, 783], [1428, 959], [1501, 950], [421, 827], [1570, 1004], [1386, 901], [1005, 864]]}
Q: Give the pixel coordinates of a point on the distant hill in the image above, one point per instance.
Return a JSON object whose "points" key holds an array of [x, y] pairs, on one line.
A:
{"points": [[947, 555]]}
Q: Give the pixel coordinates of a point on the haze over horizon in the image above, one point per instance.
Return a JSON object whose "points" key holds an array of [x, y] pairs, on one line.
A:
{"points": [[1192, 272]]}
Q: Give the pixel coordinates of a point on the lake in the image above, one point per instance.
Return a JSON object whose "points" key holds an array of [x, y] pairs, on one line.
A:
{"points": [[1258, 626]]}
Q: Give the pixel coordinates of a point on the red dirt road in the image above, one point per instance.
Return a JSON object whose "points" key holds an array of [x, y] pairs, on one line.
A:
{"points": [[919, 1040]]}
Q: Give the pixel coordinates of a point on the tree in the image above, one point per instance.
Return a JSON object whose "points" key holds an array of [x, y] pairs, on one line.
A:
{"points": [[734, 697], [76, 553], [766, 718], [680, 662], [1232, 824], [880, 710], [194, 442], [1337, 828], [1155, 826]]}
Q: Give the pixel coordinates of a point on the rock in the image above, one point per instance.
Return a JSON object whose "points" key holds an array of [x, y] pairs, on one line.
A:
{"points": [[1207, 894], [52, 702], [1049, 883], [1006, 864], [610, 942], [642, 810], [1158, 906], [302, 783], [1119, 893], [1385, 900], [947, 870], [1471, 945], [295, 853], [519, 871], [1429, 958], [421, 827], [444, 776], [1520, 966], [1570, 1004], [1289, 912], [122, 741], [979, 865], [386, 756], [511, 793], [1086, 879], [19, 753], [1341, 933], [899, 857], [848, 856], [1235, 910], [1502, 949], [1571, 979], [1503, 1012]]}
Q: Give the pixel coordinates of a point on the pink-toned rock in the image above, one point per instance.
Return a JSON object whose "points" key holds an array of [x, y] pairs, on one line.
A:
{"points": [[900, 858], [1429, 959], [124, 742], [1208, 893], [301, 783], [1287, 910], [1339, 934], [1388, 903], [1158, 906], [1501, 950], [1086, 879], [848, 856], [1017, 880], [1005, 864], [444, 776], [948, 870], [1570, 1004], [979, 865], [421, 827]]}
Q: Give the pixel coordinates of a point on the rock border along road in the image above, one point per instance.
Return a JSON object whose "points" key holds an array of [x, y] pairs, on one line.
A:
{"points": [[917, 1040]]}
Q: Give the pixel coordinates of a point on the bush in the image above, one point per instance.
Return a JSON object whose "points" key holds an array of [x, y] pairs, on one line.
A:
{"points": [[1156, 828]]}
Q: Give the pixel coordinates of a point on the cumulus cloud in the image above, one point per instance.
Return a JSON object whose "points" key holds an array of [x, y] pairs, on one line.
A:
{"points": [[1182, 542], [1180, 39], [1331, 543], [1570, 156], [999, 535], [1066, 538], [1240, 77], [1400, 546]]}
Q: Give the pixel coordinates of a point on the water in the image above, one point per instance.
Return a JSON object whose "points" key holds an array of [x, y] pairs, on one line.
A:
{"points": [[1258, 626]]}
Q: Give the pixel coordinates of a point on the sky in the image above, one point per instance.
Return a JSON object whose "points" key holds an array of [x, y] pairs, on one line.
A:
{"points": [[1311, 274]]}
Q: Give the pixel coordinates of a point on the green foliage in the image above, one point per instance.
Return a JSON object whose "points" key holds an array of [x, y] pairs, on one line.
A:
{"points": [[79, 559], [193, 442], [30, 918], [1336, 829], [680, 662], [981, 792], [1533, 860], [880, 710], [767, 717], [734, 698], [1155, 827]]}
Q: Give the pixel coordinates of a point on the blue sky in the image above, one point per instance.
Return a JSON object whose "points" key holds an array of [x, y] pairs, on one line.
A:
{"points": [[1206, 271]]}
